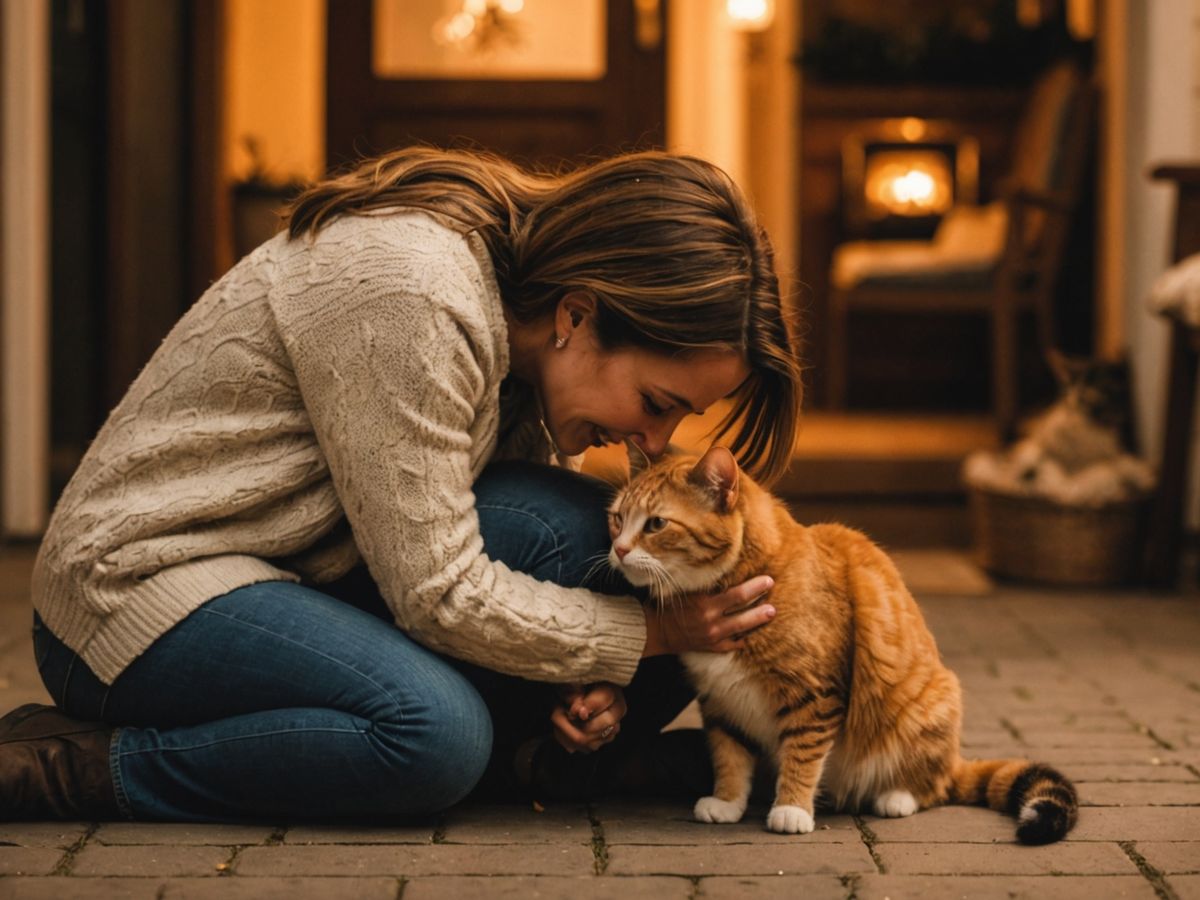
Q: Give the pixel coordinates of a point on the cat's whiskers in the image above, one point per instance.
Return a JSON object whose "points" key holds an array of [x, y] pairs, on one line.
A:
{"points": [[599, 562], [674, 593], [666, 589]]}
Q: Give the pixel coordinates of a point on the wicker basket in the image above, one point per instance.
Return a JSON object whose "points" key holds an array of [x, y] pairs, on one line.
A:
{"points": [[1034, 539]]}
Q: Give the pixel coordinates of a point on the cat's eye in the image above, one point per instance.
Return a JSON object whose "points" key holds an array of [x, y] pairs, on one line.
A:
{"points": [[655, 523]]}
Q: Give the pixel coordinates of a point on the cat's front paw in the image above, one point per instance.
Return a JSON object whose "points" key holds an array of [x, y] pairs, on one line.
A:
{"points": [[895, 804], [789, 820], [717, 811]]}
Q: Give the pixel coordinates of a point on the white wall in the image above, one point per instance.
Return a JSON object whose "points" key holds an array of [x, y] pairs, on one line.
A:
{"points": [[1162, 121]]}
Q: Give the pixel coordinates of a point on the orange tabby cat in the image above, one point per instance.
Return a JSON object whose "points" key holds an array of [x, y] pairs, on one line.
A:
{"points": [[844, 690]]}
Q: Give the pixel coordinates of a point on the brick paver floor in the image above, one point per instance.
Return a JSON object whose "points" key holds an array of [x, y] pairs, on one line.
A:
{"points": [[1105, 685]]}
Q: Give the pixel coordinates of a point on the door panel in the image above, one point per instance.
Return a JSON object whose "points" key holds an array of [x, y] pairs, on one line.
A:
{"points": [[535, 120], [540, 40]]}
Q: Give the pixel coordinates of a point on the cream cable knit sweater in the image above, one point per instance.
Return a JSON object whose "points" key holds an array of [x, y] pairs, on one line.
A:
{"points": [[353, 377]]}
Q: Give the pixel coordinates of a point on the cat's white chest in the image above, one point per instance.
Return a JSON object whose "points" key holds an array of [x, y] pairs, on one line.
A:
{"points": [[733, 693]]}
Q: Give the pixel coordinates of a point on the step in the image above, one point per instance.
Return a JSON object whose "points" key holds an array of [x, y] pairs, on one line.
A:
{"points": [[854, 455]]}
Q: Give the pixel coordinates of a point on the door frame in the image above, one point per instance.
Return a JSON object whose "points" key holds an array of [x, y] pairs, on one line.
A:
{"points": [[24, 267]]}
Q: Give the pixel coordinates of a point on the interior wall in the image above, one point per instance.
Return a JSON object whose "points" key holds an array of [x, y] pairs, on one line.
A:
{"points": [[24, 266], [772, 137], [732, 99], [275, 77], [706, 85], [1160, 123]]}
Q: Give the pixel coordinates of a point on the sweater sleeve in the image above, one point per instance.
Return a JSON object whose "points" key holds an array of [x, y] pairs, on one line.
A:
{"points": [[393, 382]]}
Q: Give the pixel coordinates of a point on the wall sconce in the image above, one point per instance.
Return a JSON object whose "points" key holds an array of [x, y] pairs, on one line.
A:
{"points": [[750, 15]]}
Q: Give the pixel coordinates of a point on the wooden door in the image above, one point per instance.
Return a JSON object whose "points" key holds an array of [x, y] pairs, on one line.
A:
{"points": [[619, 105]]}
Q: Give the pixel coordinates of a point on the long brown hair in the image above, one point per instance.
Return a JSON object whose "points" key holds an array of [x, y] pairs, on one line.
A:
{"points": [[666, 244]]}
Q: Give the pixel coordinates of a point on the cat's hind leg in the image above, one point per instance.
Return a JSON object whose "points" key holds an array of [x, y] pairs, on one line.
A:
{"points": [[733, 757], [895, 804]]}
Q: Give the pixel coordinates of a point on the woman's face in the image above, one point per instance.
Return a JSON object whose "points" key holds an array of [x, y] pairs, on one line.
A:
{"points": [[593, 397]]}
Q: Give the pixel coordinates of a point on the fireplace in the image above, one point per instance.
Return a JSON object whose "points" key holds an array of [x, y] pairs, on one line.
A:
{"points": [[900, 176]]}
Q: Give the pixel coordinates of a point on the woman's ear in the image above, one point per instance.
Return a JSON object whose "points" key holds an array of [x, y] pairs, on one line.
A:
{"points": [[573, 310]]}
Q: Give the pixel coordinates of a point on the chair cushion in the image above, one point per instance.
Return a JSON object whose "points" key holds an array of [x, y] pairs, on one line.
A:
{"points": [[963, 254], [1176, 292]]}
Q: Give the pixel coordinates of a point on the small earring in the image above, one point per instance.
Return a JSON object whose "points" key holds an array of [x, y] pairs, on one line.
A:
{"points": [[559, 343]]}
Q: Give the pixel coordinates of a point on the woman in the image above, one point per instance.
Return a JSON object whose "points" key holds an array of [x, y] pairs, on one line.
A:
{"points": [[383, 384]]}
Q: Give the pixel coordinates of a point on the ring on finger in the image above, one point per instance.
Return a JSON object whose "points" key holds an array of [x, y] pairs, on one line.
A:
{"points": [[607, 732]]}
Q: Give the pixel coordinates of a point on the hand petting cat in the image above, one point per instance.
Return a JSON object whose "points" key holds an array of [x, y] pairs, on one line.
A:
{"points": [[709, 623]]}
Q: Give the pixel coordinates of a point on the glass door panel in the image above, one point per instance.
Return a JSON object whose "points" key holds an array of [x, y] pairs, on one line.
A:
{"points": [[508, 40]]}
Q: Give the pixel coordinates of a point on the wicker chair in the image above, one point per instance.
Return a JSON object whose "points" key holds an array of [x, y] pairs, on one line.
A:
{"points": [[996, 260]]}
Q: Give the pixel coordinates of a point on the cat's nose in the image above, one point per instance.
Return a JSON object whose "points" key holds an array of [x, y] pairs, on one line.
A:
{"points": [[621, 552]]}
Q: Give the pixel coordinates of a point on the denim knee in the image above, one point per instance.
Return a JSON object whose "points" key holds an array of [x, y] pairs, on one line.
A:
{"points": [[547, 522], [439, 750]]}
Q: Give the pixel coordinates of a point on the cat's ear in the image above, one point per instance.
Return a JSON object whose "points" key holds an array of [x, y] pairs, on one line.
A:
{"points": [[717, 474], [639, 462], [1067, 369]]}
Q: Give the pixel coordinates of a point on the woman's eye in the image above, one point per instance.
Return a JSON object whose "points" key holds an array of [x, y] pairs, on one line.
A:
{"points": [[655, 523], [651, 407]]}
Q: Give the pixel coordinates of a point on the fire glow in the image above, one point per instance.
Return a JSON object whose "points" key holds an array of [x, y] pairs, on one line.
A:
{"points": [[908, 183]]}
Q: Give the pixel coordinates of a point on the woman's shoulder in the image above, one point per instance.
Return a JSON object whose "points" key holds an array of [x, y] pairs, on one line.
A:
{"points": [[399, 232], [421, 265], [412, 249]]}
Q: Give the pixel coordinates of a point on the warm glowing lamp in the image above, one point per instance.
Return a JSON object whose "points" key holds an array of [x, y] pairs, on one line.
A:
{"points": [[750, 15]]}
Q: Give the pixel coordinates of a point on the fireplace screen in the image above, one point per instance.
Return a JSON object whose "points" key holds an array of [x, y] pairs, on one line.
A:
{"points": [[899, 176]]}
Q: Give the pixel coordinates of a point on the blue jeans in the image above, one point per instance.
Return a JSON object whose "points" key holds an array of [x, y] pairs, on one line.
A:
{"points": [[280, 700]]}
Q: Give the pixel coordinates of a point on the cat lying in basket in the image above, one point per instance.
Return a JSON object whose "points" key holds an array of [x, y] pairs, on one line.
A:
{"points": [[844, 691]]}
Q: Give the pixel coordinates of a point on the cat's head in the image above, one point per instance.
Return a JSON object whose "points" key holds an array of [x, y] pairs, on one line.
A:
{"points": [[677, 527], [1097, 388]]}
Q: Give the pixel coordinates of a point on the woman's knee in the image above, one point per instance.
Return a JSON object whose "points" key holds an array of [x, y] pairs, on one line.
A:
{"points": [[439, 749], [547, 522]]}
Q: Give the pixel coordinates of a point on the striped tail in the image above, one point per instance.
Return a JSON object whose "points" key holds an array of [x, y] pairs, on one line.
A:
{"points": [[1041, 798]]}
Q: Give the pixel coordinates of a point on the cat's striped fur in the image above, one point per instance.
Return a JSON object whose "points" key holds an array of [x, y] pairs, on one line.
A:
{"points": [[844, 690]]}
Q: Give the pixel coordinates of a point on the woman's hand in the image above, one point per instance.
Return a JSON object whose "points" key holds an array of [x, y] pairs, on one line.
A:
{"points": [[589, 716], [713, 623]]}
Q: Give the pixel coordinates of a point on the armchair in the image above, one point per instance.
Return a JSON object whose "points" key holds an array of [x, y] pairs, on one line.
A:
{"points": [[995, 260]]}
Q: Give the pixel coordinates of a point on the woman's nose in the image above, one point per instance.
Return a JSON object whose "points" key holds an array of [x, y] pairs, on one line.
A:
{"points": [[653, 447], [653, 441]]}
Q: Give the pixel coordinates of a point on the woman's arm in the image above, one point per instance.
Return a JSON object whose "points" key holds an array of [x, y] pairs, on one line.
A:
{"points": [[394, 378]]}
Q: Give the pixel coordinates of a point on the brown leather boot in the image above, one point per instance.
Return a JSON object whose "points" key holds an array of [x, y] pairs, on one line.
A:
{"points": [[54, 767]]}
